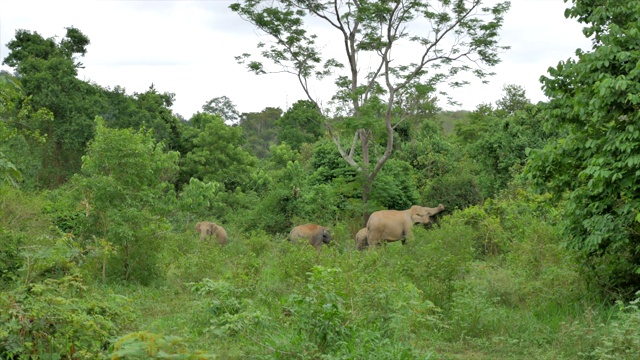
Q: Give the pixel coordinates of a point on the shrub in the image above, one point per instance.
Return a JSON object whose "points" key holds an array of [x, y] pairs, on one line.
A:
{"points": [[10, 260], [454, 190], [48, 312], [622, 340]]}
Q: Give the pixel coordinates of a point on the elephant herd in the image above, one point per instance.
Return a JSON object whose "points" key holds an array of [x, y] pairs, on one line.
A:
{"points": [[383, 226]]}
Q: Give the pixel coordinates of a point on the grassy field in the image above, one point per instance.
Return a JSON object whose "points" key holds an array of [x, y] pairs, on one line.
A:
{"points": [[484, 283]]}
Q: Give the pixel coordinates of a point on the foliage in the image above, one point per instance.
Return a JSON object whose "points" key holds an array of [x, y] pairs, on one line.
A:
{"points": [[395, 187], [151, 110], [49, 313], [365, 101], [327, 166], [21, 214], [488, 279], [223, 107], [302, 123], [10, 260], [514, 98], [621, 341], [47, 71], [217, 154], [449, 119], [262, 297], [146, 345], [18, 160], [429, 152], [202, 199], [281, 155], [259, 130], [124, 187], [9, 174], [442, 173], [593, 162], [278, 199], [224, 308], [499, 139], [455, 190], [53, 103], [495, 221]]}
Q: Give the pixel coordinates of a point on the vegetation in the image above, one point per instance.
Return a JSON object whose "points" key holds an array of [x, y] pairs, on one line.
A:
{"points": [[594, 158], [369, 104], [535, 255]]}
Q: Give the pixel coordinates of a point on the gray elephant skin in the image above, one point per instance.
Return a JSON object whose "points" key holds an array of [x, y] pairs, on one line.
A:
{"points": [[315, 234], [208, 229], [394, 225]]}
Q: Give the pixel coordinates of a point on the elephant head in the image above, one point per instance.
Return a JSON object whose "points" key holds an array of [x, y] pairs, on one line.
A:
{"points": [[361, 238], [207, 229], [423, 214], [315, 234]]}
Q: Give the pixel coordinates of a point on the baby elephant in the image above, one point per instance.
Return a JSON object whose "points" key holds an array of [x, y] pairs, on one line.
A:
{"points": [[208, 229], [316, 234], [361, 238]]}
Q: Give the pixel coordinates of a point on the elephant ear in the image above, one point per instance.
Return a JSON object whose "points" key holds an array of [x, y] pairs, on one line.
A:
{"points": [[198, 225], [417, 213]]}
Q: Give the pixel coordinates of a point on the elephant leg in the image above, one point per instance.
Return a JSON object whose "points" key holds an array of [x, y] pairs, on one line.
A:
{"points": [[372, 238]]}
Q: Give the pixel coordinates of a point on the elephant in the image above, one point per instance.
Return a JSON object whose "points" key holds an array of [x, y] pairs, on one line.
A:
{"points": [[361, 238], [316, 234], [207, 229], [393, 225]]}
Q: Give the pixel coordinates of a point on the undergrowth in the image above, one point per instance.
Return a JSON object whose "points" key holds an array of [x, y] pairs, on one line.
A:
{"points": [[490, 282]]}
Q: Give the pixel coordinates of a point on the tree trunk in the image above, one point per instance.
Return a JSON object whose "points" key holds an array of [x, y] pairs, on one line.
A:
{"points": [[366, 191], [127, 265], [366, 175]]}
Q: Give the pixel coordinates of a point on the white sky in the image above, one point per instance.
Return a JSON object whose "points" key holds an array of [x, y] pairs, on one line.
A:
{"points": [[188, 48]]}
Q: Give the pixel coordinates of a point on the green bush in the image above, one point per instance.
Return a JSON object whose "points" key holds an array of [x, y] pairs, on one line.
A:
{"points": [[621, 339], [49, 312], [456, 190], [10, 259]]}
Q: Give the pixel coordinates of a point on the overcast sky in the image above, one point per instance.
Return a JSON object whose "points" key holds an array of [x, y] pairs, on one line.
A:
{"points": [[188, 48]]}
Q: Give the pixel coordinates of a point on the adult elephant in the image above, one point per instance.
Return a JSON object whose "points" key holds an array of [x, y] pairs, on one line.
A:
{"points": [[315, 234], [208, 229], [394, 225], [361, 238]]}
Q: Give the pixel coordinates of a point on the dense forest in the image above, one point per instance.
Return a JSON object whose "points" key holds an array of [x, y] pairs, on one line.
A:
{"points": [[536, 254]]}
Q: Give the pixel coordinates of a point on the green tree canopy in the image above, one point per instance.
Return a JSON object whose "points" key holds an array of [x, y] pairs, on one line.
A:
{"points": [[20, 136], [260, 131], [302, 123], [47, 71], [224, 107], [217, 153], [594, 104]]}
